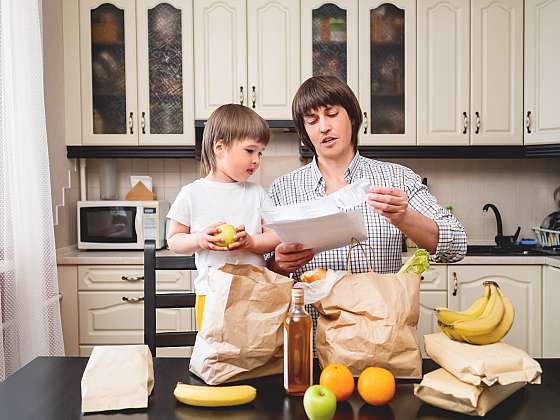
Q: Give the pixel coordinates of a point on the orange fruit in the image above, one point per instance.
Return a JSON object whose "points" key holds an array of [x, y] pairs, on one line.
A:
{"points": [[339, 380], [376, 385]]}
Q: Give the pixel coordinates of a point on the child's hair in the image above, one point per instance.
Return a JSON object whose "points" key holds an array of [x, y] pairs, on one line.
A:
{"points": [[230, 123], [319, 91]]}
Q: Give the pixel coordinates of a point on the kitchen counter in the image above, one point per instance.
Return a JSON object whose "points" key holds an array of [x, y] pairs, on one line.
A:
{"points": [[90, 257]]}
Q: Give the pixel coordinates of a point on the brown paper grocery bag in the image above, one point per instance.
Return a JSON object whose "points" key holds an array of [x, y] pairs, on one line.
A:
{"points": [[370, 319], [241, 335], [117, 377]]}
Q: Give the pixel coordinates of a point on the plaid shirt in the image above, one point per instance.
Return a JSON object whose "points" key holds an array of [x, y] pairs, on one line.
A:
{"points": [[384, 239]]}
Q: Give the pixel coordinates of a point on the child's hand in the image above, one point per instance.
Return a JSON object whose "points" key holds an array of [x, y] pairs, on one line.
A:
{"points": [[242, 240], [206, 240]]}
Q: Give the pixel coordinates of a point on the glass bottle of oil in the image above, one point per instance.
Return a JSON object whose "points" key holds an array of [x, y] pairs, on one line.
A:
{"points": [[298, 347]]}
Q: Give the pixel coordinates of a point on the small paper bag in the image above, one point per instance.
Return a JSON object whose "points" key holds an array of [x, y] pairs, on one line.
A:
{"points": [[117, 377], [242, 329]]}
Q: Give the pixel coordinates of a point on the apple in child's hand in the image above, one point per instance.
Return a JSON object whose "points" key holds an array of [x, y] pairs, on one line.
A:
{"points": [[226, 233], [319, 403]]}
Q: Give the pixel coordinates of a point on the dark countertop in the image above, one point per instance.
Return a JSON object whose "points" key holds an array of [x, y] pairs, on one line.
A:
{"points": [[49, 388]]}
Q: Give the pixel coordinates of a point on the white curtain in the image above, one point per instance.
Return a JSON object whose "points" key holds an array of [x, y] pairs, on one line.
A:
{"points": [[29, 304]]}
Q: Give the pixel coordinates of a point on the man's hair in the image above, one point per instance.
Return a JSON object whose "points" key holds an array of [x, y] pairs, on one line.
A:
{"points": [[324, 91], [230, 123]]}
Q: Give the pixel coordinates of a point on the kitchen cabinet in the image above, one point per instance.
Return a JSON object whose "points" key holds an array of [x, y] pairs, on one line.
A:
{"points": [[387, 72], [521, 283], [329, 40], [136, 72], [247, 52], [470, 72], [68, 291], [427, 322], [551, 311], [542, 67]]}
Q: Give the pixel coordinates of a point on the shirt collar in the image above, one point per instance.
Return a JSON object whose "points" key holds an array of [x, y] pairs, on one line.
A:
{"points": [[349, 173]]}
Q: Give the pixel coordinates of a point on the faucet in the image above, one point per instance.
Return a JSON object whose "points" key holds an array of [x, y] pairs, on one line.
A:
{"points": [[501, 240]]}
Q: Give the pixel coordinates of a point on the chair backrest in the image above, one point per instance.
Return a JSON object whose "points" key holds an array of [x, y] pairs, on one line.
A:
{"points": [[152, 300]]}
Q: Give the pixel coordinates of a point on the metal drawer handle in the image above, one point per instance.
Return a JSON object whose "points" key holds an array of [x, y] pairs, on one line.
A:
{"points": [[132, 299], [254, 96], [131, 278], [143, 123], [528, 122], [477, 122], [465, 122], [131, 123], [455, 284], [241, 95], [365, 123]]}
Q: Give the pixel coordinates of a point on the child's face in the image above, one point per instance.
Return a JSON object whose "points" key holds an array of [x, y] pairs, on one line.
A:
{"points": [[239, 161]]}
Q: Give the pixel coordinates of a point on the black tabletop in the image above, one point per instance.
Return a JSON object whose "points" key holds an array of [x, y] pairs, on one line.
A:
{"points": [[49, 388]]}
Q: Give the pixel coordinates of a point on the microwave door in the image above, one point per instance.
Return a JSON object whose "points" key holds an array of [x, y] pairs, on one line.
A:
{"points": [[109, 227]]}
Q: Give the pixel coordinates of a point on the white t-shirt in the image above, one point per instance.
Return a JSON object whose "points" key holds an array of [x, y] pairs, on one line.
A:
{"points": [[204, 202]]}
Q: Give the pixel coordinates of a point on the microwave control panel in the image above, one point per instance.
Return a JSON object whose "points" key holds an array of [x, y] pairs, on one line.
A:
{"points": [[150, 225]]}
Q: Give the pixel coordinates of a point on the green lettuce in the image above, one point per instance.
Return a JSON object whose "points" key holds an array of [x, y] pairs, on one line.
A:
{"points": [[418, 263]]}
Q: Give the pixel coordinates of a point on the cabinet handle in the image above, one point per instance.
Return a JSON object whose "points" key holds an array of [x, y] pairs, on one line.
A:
{"points": [[465, 122], [455, 284], [528, 122], [132, 299], [254, 96], [477, 122], [241, 95], [131, 122], [143, 123], [365, 123], [131, 278]]}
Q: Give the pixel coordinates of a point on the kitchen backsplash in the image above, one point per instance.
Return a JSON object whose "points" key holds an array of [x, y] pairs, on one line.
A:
{"points": [[520, 188]]}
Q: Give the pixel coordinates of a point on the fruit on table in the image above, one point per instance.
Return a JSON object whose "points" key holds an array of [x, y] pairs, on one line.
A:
{"points": [[376, 385], [226, 233], [208, 396], [339, 380], [319, 403], [486, 327]]}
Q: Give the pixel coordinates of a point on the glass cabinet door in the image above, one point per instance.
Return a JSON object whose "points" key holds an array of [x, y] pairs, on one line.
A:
{"points": [[388, 72], [165, 72], [329, 40], [108, 59]]}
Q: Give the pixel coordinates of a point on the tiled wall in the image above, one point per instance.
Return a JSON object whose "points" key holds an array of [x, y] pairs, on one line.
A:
{"points": [[521, 188]]}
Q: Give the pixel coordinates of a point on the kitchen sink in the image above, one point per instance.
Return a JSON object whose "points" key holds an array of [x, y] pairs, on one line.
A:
{"points": [[493, 250]]}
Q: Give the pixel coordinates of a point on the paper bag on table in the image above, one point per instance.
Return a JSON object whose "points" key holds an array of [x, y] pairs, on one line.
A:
{"points": [[117, 377], [242, 330], [370, 319], [441, 389], [488, 364]]}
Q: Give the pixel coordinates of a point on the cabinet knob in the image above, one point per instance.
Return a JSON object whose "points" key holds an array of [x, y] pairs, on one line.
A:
{"points": [[254, 96], [132, 278], [241, 95], [465, 122], [365, 123], [455, 284], [132, 299], [528, 122], [143, 123], [131, 122], [477, 122]]}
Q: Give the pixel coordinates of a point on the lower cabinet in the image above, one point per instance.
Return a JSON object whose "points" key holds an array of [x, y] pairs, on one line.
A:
{"points": [[551, 311], [521, 283], [427, 323]]}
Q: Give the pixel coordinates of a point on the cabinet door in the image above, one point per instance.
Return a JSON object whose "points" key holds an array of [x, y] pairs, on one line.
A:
{"points": [[329, 40], [165, 72], [542, 67], [108, 68], [427, 323], [273, 56], [443, 72], [497, 72], [521, 283], [551, 312], [388, 72], [220, 52], [435, 278]]}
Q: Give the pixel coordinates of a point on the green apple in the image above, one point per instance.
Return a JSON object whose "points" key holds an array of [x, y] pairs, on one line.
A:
{"points": [[226, 233], [319, 403]]}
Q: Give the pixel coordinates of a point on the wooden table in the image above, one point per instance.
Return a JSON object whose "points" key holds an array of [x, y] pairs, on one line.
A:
{"points": [[49, 388]]}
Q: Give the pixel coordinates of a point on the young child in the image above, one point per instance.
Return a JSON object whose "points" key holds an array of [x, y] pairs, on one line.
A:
{"points": [[232, 144]]}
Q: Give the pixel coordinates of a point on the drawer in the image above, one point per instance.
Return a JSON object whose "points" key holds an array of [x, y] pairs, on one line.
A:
{"points": [[105, 318], [435, 278], [85, 351], [130, 277]]}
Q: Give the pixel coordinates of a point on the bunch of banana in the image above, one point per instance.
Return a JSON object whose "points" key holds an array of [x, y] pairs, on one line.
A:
{"points": [[207, 396], [486, 321]]}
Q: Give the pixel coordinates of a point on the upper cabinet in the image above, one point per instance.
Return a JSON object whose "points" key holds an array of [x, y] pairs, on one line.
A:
{"points": [[136, 72], [542, 67], [329, 40], [247, 52], [387, 72], [470, 72]]}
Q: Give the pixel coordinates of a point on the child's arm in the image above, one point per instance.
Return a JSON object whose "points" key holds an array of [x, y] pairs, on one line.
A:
{"points": [[259, 244], [182, 241]]}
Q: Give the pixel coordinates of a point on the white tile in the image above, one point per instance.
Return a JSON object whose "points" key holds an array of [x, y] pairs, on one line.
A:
{"points": [[171, 179], [155, 165]]}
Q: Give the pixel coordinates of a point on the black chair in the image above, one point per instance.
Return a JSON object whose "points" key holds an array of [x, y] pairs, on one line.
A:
{"points": [[152, 300]]}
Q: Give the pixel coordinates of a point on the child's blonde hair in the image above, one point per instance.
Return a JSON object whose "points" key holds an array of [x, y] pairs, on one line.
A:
{"points": [[230, 123]]}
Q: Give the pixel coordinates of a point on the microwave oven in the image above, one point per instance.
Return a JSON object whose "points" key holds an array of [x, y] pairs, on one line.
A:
{"points": [[121, 224]]}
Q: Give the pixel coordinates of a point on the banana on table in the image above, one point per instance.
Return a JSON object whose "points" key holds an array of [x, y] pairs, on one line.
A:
{"points": [[208, 396]]}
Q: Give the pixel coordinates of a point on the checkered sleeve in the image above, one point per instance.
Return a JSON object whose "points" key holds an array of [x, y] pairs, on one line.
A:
{"points": [[452, 242]]}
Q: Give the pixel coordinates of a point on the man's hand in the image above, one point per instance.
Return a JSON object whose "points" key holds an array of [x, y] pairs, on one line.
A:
{"points": [[392, 203], [288, 257], [206, 240]]}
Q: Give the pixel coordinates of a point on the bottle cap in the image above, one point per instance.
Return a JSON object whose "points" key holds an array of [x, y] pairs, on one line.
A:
{"points": [[297, 295]]}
